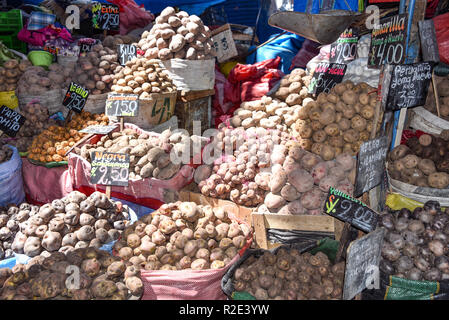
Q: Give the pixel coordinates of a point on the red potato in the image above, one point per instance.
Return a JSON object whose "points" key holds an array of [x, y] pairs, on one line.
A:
{"points": [[301, 180], [319, 172], [311, 199]]}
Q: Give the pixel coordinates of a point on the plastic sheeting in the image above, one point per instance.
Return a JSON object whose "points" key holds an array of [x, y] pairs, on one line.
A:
{"points": [[191, 6]]}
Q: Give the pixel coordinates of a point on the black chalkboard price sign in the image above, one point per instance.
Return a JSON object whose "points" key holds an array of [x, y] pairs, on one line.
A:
{"points": [[428, 38], [10, 121], [344, 50], [75, 97], [388, 41], [126, 52], [370, 165], [343, 207], [105, 16], [326, 76], [408, 86], [122, 105], [109, 169]]}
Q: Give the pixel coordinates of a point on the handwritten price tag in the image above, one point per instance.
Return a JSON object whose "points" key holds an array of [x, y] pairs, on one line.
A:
{"points": [[122, 105], [326, 76], [75, 97], [109, 169]]}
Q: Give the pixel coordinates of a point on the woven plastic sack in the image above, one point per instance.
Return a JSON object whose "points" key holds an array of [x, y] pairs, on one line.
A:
{"points": [[327, 246], [52, 99], [11, 181]]}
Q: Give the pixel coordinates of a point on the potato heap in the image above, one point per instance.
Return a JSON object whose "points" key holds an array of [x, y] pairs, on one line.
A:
{"points": [[75, 221], [182, 235], [37, 119], [37, 81], [53, 143], [279, 113], [443, 93], [415, 243], [101, 277], [245, 153], [299, 181], [289, 275], [146, 78], [423, 161], [149, 155], [5, 152], [95, 70], [337, 122], [113, 41], [177, 35], [10, 73]]}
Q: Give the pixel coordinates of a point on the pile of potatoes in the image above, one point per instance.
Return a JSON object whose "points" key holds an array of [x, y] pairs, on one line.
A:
{"points": [[54, 142], [337, 122], [144, 77], [289, 275], [149, 154], [5, 152], [422, 161], [278, 113], [112, 42], [10, 73], [37, 81], [101, 277], [182, 235], [75, 221], [298, 181], [443, 93], [177, 35], [95, 70], [242, 155]]}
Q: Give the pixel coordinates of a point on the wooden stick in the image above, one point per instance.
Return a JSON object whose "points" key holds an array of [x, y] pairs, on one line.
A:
{"points": [[69, 116], [435, 92], [108, 192], [345, 238], [400, 127], [86, 137], [121, 123]]}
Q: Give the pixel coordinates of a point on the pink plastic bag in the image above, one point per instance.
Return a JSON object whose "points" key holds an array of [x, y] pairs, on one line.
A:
{"points": [[132, 16], [39, 37]]}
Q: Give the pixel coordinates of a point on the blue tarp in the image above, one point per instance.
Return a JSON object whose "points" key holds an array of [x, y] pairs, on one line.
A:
{"points": [[191, 6]]}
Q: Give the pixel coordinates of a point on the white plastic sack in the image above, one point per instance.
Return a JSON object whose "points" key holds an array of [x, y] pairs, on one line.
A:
{"points": [[357, 71], [11, 181], [191, 74]]}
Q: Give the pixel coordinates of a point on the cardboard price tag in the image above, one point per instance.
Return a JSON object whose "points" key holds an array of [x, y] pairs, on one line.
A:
{"points": [[343, 207], [326, 76], [224, 45], [10, 121], [388, 42], [98, 129], [344, 50], [122, 105], [105, 16], [75, 97], [126, 52], [109, 169]]}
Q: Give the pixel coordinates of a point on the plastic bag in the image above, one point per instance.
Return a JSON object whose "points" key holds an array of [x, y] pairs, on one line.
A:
{"points": [[132, 16], [39, 37], [442, 32], [11, 181]]}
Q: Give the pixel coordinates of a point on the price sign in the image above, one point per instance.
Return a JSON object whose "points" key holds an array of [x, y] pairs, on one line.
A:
{"points": [[343, 207], [75, 98], [98, 129], [428, 37], [344, 50], [85, 48], [10, 121], [362, 264], [109, 169], [224, 43], [388, 42], [105, 16], [122, 105], [370, 165], [126, 52], [408, 85], [326, 76]]}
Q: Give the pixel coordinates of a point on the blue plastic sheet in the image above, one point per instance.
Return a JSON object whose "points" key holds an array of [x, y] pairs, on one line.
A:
{"points": [[191, 6]]}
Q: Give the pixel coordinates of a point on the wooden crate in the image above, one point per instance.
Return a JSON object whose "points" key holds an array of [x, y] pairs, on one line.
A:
{"points": [[194, 106], [262, 222]]}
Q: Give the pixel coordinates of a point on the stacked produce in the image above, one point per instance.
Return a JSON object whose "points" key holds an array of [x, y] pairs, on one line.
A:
{"points": [[143, 77], [415, 243], [443, 93], [337, 122], [11, 72], [113, 41], [182, 235], [289, 275], [75, 221], [101, 277], [38, 81], [279, 113], [299, 181], [245, 154], [53, 143], [177, 35], [5, 152], [95, 70], [423, 161], [37, 120]]}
